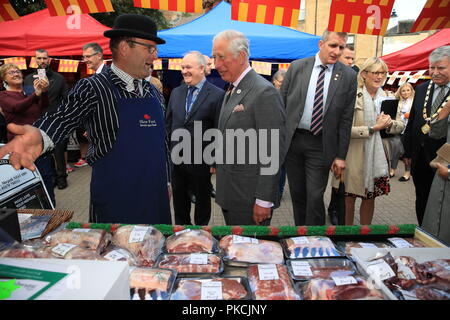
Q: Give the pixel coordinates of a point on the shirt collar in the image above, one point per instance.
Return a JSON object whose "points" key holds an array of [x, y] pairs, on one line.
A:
{"points": [[445, 85], [125, 77], [318, 62], [199, 85], [243, 74], [99, 70]]}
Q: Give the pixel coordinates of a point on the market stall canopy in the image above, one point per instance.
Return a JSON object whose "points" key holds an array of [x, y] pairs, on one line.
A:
{"points": [[60, 36], [267, 42], [415, 57]]}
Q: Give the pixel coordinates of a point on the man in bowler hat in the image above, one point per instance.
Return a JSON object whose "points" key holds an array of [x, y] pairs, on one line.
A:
{"points": [[124, 118]]}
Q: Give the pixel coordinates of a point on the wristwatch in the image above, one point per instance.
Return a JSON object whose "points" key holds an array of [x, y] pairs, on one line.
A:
{"points": [[371, 131]]}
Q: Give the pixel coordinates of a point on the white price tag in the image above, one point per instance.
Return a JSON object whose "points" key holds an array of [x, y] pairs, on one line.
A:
{"points": [[343, 281], [268, 272], [63, 248], [301, 268], [182, 231], [81, 230], [198, 258], [239, 239], [367, 245], [211, 290], [115, 255], [300, 240], [380, 269], [400, 243], [138, 234]]}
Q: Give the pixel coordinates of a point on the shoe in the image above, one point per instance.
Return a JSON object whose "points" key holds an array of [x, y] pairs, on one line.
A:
{"points": [[62, 184], [192, 198], [213, 193], [333, 218], [403, 179], [81, 163], [69, 169]]}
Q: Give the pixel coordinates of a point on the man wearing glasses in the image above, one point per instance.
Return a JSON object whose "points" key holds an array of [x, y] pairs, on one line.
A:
{"points": [[124, 118], [93, 56]]}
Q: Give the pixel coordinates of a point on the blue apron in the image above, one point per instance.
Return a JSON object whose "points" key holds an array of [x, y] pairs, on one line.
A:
{"points": [[129, 184]]}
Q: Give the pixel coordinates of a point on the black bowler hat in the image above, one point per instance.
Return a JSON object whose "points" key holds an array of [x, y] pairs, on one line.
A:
{"points": [[134, 25]]}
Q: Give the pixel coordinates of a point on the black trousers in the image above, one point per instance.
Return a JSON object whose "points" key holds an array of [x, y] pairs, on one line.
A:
{"points": [[184, 178], [422, 175], [60, 161]]}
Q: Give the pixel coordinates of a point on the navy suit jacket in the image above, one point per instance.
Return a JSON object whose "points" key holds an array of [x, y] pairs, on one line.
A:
{"points": [[206, 108]]}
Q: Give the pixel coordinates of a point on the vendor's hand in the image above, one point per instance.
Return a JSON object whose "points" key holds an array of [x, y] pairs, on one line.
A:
{"points": [[338, 167], [445, 111], [212, 170], [260, 213], [442, 171], [407, 162], [24, 148]]}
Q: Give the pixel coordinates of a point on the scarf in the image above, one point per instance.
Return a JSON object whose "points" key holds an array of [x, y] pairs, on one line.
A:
{"points": [[375, 163]]}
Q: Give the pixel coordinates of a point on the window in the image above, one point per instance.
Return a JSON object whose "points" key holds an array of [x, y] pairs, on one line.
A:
{"points": [[301, 16], [351, 39]]}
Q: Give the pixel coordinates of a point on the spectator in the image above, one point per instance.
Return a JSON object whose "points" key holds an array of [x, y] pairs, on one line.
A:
{"points": [[420, 146], [21, 109], [366, 174], [154, 80], [348, 57]]}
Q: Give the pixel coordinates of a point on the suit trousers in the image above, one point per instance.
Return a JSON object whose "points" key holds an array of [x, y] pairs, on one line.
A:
{"points": [[308, 178], [60, 161], [423, 176], [235, 218], [183, 180]]}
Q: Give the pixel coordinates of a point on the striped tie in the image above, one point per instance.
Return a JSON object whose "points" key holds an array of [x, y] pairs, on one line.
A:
{"points": [[317, 114]]}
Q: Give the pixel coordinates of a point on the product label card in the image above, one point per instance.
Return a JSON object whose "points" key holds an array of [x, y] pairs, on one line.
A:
{"points": [[138, 234], [300, 240], [115, 255], [211, 290], [380, 269], [268, 272], [182, 231], [81, 230], [198, 258], [63, 248], [367, 245], [239, 239], [343, 281], [400, 243], [301, 268]]}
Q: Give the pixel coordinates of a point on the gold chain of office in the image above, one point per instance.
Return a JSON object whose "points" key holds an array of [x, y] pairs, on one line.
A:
{"points": [[426, 126]]}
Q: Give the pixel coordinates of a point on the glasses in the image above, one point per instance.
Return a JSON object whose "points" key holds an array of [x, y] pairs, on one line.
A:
{"points": [[379, 73], [13, 72], [151, 49], [89, 56]]}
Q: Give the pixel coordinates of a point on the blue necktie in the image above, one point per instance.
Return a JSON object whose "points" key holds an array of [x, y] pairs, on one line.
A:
{"points": [[317, 114], [189, 97]]}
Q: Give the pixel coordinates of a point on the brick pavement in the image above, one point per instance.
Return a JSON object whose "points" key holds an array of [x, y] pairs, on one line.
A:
{"points": [[396, 208]]}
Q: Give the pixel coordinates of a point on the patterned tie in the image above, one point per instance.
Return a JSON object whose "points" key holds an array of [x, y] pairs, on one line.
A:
{"points": [[438, 101], [228, 93], [189, 99], [317, 114], [136, 87]]}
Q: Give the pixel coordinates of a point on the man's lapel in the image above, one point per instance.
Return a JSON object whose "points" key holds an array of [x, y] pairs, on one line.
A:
{"points": [[198, 101], [336, 78]]}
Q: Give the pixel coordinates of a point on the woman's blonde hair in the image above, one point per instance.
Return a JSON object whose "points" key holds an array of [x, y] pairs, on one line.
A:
{"points": [[398, 96], [5, 68], [371, 65]]}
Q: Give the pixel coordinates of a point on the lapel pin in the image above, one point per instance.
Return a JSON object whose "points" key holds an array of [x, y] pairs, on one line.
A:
{"points": [[238, 91]]}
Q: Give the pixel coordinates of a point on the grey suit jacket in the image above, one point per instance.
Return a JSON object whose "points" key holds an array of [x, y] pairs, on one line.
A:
{"points": [[238, 185], [338, 109]]}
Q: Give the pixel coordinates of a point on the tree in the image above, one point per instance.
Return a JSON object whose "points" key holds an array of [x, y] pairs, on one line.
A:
{"points": [[24, 7]]}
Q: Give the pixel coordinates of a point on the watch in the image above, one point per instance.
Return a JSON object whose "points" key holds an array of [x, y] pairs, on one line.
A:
{"points": [[371, 131]]}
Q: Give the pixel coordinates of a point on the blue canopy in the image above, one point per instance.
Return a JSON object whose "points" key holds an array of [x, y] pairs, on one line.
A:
{"points": [[267, 42]]}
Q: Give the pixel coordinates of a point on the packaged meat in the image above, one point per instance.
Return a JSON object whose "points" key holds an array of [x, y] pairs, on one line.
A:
{"points": [[244, 251], [114, 253], [224, 288], [18, 250], [191, 264], [144, 242], [406, 243], [93, 239], [271, 282], [309, 247], [306, 269], [151, 283], [71, 251], [355, 288], [348, 246], [191, 241]]}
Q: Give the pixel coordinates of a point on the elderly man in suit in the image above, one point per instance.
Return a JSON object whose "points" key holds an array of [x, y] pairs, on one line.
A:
{"points": [[252, 107], [419, 142], [196, 100], [319, 94]]}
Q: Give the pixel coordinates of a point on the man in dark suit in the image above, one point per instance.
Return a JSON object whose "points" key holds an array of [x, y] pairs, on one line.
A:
{"points": [[247, 189], [420, 147], [194, 103], [319, 95]]}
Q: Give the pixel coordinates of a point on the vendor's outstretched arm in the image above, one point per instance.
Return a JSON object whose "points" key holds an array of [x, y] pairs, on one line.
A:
{"points": [[24, 148]]}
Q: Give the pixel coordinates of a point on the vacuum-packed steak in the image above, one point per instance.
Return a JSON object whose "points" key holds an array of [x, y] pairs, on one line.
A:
{"points": [[251, 250], [151, 284], [93, 239], [191, 241], [327, 289], [191, 289], [184, 263]]}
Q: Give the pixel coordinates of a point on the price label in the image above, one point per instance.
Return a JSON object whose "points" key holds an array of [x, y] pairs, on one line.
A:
{"points": [[239, 239], [268, 272], [211, 290], [367, 245], [81, 230], [198, 258], [63, 248], [343, 281], [380, 269], [403, 271], [301, 268], [400, 243], [138, 234], [182, 231], [301, 240], [115, 255]]}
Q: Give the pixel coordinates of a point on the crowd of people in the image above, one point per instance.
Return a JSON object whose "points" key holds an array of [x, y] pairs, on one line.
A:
{"points": [[323, 116]]}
